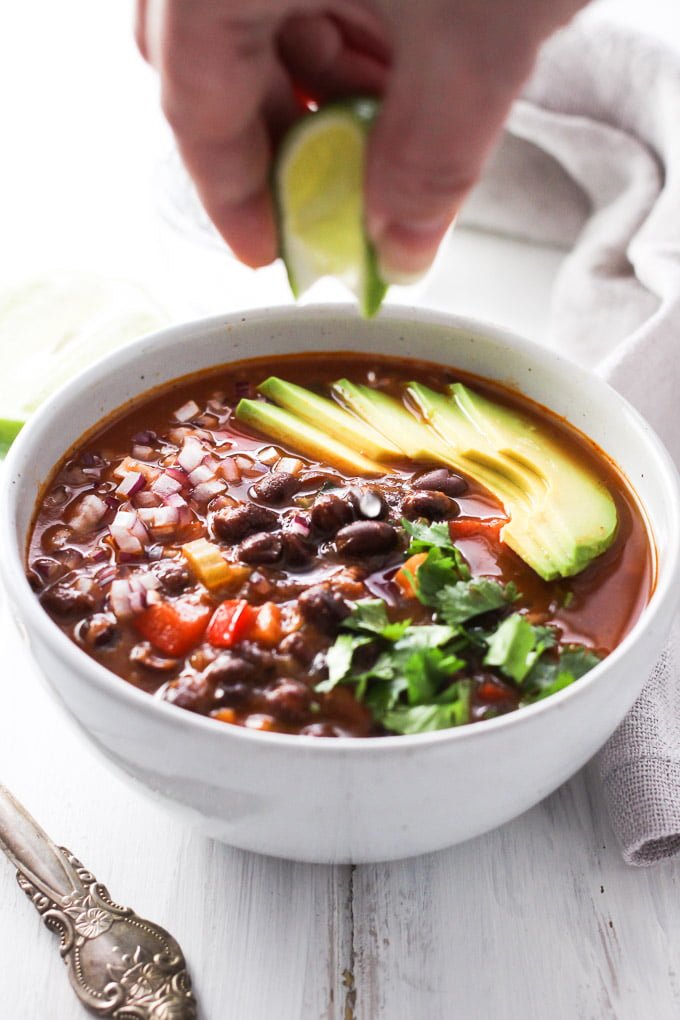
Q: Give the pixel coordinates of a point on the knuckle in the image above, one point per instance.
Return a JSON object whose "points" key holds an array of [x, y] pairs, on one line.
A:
{"points": [[413, 181]]}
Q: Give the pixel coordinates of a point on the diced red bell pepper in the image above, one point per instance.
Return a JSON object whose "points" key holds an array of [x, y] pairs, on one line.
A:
{"points": [[173, 627], [468, 527], [231, 623], [489, 691]]}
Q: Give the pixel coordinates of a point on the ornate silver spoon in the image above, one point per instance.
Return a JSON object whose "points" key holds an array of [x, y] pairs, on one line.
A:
{"points": [[120, 965]]}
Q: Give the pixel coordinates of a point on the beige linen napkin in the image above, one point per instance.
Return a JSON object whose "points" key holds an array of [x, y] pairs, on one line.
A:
{"points": [[591, 161]]}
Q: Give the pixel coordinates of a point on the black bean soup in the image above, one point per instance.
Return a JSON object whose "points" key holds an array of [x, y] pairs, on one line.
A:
{"points": [[235, 577]]}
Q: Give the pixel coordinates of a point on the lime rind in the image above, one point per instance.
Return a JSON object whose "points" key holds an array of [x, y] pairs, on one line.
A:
{"points": [[318, 186]]}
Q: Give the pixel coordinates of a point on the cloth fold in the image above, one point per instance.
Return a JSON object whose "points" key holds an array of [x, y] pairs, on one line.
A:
{"points": [[591, 162]]}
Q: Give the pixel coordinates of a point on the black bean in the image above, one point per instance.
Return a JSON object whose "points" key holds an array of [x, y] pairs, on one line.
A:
{"points": [[298, 646], [433, 505], [297, 552], [47, 568], [64, 600], [260, 657], [193, 692], [232, 524], [323, 607], [277, 487], [97, 631], [289, 700], [264, 547], [330, 513], [144, 655], [366, 538], [57, 496], [441, 480], [228, 669], [55, 538], [174, 576]]}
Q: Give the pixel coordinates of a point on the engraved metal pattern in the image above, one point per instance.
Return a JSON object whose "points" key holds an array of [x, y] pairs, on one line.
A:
{"points": [[120, 965]]}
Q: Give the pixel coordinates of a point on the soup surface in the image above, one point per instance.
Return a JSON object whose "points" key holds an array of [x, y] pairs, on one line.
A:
{"points": [[238, 577]]}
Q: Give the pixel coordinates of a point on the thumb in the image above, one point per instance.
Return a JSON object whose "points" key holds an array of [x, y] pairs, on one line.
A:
{"points": [[450, 89]]}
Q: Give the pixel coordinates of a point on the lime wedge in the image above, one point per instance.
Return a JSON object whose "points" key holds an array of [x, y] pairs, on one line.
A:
{"points": [[319, 192], [53, 326]]}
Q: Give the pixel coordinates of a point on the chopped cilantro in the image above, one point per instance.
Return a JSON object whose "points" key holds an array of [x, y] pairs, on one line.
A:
{"points": [[413, 676], [423, 718], [516, 646], [424, 536], [459, 602], [339, 659], [551, 675]]}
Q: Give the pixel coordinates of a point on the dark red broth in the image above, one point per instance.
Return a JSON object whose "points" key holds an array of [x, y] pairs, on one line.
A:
{"points": [[266, 676]]}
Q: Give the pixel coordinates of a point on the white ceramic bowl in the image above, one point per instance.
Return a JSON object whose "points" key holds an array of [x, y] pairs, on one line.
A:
{"points": [[341, 799]]}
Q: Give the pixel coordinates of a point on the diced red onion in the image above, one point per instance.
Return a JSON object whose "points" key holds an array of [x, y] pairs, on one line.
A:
{"points": [[268, 455], [229, 470], [165, 486], [146, 499], [84, 584], [161, 519], [132, 483], [201, 474], [291, 465], [155, 552], [128, 532], [246, 466], [176, 500], [300, 525], [191, 454], [106, 574], [187, 411], [88, 513], [132, 595], [206, 490], [179, 475]]}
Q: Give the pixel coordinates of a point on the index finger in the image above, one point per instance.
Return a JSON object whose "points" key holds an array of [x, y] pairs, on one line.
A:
{"points": [[215, 75]]}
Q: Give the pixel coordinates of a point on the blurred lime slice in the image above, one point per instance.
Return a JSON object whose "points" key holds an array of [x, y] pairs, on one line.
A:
{"points": [[319, 190], [51, 327]]}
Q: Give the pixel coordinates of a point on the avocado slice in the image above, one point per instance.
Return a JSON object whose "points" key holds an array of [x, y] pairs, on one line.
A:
{"points": [[573, 511], [278, 424], [393, 420], [325, 414], [477, 459]]}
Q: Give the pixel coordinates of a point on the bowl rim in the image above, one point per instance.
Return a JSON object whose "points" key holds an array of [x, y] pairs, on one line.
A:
{"points": [[665, 594]]}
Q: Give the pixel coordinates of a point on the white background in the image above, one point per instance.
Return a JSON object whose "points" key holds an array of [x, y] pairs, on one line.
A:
{"points": [[538, 919]]}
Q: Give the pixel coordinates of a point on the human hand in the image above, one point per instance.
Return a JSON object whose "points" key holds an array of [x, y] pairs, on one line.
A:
{"points": [[231, 74]]}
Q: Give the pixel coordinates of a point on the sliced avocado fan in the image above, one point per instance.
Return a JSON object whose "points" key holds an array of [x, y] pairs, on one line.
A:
{"points": [[561, 515]]}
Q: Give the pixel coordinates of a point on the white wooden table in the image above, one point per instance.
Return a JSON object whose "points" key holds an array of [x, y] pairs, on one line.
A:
{"points": [[539, 919]]}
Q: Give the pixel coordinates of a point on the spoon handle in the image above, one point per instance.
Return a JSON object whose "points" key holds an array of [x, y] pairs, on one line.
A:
{"points": [[32, 852], [120, 965]]}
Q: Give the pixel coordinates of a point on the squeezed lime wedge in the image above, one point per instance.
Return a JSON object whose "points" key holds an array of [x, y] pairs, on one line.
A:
{"points": [[319, 193], [53, 326]]}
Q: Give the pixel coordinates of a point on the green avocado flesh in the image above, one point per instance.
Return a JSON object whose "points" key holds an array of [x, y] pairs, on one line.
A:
{"points": [[325, 414], [561, 516], [278, 424]]}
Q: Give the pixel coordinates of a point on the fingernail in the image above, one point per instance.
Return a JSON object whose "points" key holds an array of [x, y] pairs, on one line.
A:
{"points": [[406, 250]]}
